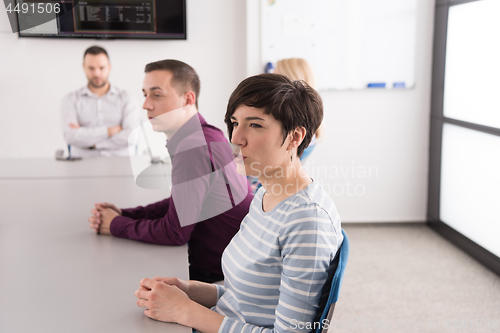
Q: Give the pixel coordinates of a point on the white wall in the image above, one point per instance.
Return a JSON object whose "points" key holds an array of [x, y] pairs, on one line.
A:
{"points": [[37, 72], [382, 131]]}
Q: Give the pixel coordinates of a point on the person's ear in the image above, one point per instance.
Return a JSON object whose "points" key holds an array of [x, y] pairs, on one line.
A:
{"points": [[189, 98], [297, 136]]}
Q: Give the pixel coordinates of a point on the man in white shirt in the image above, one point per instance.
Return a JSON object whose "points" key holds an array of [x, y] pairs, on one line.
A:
{"points": [[98, 119]]}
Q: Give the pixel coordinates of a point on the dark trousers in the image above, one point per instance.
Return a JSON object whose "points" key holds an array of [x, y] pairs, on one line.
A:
{"points": [[203, 276]]}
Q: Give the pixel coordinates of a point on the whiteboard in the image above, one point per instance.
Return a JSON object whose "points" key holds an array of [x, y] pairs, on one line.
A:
{"points": [[351, 44]]}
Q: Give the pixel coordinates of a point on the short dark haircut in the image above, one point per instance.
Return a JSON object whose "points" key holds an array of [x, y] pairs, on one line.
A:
{"points": [[293, 103], [184, 77], [95, 50]]}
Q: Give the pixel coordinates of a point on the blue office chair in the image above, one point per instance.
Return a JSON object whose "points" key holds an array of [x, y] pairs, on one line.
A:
{"points": [[332, 285]]}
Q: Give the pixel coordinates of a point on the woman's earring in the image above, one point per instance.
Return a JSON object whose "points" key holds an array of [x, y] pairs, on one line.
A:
{"points": [[291, 155]]}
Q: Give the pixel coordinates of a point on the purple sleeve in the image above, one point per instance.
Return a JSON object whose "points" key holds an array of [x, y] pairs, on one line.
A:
{"points": [[159, 223], [165, 230], [153, 211]]}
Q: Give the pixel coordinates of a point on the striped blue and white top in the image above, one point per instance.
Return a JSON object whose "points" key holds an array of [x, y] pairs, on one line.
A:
{"points": [[276, 265]]}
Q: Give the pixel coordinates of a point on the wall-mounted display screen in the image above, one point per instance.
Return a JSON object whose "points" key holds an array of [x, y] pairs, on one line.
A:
{"points": [[137, 19]]}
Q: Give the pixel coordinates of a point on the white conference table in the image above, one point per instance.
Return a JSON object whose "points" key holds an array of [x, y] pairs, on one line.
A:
{"points": [[57, 274]]}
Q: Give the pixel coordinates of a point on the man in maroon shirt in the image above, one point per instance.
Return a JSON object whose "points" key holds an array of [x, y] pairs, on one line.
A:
{"points": [[208, 197]]}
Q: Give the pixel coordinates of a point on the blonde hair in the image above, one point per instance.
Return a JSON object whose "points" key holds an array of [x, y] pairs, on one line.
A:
{"points": [[298, 69]]}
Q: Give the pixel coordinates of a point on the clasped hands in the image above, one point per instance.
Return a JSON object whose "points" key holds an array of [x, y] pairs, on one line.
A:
{"points": [[101, 218], [165, 299]]}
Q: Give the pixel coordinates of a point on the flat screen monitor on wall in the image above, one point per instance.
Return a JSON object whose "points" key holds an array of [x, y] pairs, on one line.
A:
{"points": [[132, 19]]}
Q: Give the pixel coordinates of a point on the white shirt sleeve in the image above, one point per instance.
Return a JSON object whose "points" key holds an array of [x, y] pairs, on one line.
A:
{"points": [[83, 137], [130, 121]]}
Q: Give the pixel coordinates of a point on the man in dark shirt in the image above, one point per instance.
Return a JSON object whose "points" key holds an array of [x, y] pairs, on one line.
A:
{"points": [[208, 197]]}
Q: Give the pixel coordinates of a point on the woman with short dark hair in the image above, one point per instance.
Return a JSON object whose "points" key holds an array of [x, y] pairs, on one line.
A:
{"points": [[277, 264]]}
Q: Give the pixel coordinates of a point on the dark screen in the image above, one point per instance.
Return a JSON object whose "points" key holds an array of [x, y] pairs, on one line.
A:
{"points": [[148, 19]]}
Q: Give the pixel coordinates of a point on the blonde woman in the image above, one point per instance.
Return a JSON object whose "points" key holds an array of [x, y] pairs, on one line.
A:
{"points": [[296, 69]]}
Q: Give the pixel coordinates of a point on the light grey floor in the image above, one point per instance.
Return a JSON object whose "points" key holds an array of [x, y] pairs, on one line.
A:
{"points": [[407, 278]]}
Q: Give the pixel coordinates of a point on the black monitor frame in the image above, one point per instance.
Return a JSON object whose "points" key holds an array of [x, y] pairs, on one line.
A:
{"points": [[111, 35]]}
